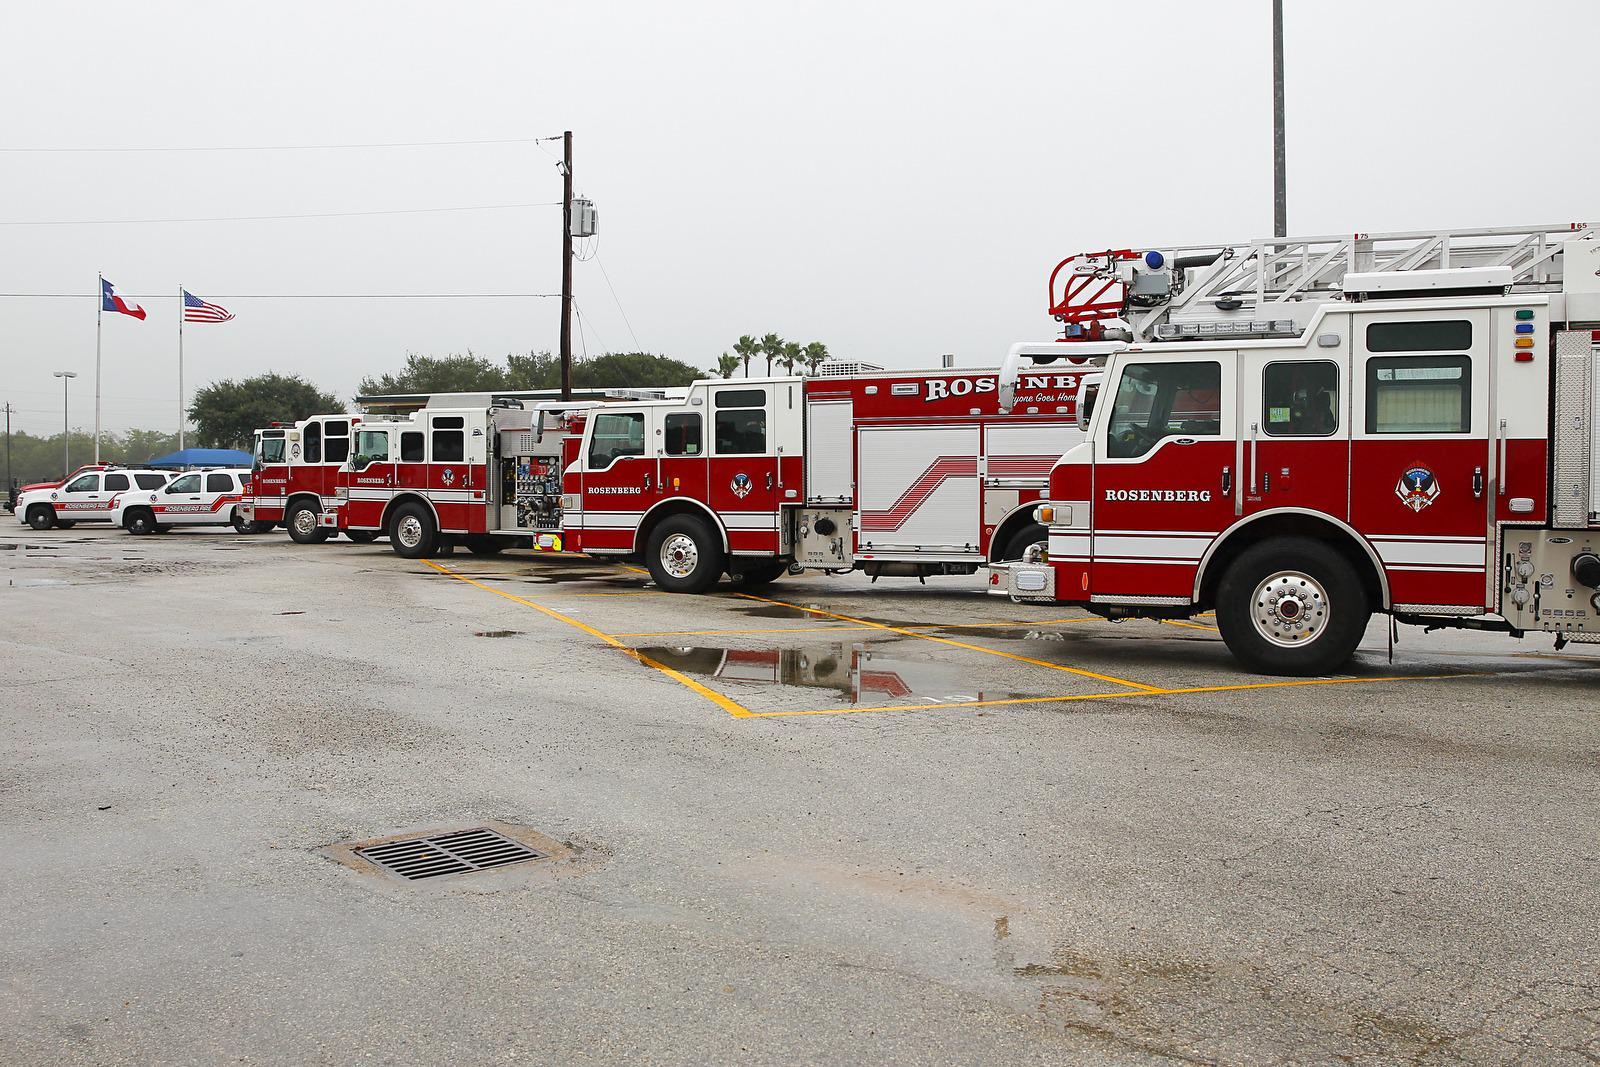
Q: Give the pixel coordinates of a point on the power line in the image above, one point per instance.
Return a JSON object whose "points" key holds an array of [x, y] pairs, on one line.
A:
{"points": [[597, 262], [287, 147], [295, 296], [269, 218]]}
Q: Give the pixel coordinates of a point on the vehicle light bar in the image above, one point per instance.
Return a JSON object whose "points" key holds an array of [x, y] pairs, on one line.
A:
{"points": [[1183, 331]]}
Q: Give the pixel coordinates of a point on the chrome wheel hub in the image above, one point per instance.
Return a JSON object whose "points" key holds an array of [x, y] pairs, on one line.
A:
{"points": [[409, 531], [305, 521], [1290, 608], [679, 555]]}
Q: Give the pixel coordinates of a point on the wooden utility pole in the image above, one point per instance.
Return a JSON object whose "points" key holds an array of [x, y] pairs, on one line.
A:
{"points": [[566, 266]]}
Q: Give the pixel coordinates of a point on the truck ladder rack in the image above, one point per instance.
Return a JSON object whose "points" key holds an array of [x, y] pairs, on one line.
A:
{"points": [[1266, 279]]}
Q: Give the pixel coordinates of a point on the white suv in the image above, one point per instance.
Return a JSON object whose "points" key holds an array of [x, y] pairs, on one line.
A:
{"points": [[198, 498], [90, 497]]}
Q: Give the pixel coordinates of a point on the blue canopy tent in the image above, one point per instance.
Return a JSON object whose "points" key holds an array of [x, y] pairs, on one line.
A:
{"points": [[202, 457]]}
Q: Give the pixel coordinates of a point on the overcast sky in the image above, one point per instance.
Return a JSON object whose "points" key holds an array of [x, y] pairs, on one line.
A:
{"points": [[893, 179]]}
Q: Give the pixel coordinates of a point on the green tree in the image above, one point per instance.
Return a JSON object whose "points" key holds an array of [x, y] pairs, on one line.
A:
{"points": [[727, 364], [816, 354], [791, 356], [439, 374], [227, 413], [614, 370], [38, 459], [746, 347], [772, 348]]}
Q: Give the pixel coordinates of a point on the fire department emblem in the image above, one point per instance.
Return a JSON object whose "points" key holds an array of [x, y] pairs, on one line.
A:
{"points": [[449, 477], [1417, 488], [741, 485], [294, 451]]}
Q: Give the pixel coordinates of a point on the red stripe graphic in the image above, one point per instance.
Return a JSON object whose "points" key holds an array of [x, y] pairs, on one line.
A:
{"points": [[920, 490], [1018, 466]]}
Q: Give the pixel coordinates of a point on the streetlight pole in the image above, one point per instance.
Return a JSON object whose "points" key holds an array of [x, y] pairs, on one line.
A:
{"points": [[1280, 192], [66, 433]]}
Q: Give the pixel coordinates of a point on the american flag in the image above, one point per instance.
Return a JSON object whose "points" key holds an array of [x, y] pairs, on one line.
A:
{"points": [[197, 310]]}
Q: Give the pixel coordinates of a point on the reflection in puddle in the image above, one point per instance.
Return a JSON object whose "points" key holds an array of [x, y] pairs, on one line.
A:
{"points": [[497, 633], [852, 671]]}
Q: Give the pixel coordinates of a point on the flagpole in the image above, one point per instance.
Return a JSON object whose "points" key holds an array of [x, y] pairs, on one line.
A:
{"points": [[180, 368], [100, 307]]}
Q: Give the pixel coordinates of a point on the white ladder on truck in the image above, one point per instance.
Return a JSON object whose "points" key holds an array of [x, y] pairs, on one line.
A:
{"points": [[1259, 279]]}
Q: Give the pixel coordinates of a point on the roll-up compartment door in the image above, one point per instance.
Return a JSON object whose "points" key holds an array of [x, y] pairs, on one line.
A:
{"points": [[829, 470]]}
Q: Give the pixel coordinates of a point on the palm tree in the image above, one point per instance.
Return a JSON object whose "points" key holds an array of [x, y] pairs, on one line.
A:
{"points": [[791, 355], [745, 347], [772, 347], [816, 354], [727, 364]]}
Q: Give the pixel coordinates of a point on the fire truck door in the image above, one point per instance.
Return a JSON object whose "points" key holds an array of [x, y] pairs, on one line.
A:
{"points": [[1422, 461], [1294, 424], [743, 470], [370, 478], [618, 471], [1164, 475]]}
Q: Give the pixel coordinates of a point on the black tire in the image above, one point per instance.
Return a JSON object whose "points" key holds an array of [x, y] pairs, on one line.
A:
{"points": [[485, 546], [41, 517], [63, 524], [238, 524], [304, 525], [756, 575], [362, 537], [1292, 606], [259, 526], [1024, 539], [684, 555], [412, 532], [140, 521]]}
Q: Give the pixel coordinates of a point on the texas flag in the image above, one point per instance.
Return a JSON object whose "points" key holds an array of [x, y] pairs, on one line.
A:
{"points": [[110, 301]]}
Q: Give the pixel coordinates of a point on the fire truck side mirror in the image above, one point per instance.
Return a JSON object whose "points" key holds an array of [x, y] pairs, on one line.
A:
{"points": [[1088, 390]]}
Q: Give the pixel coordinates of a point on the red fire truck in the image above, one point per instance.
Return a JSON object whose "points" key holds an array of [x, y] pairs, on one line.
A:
{"points": [[1299, 432], [911, 473], [296, 476], [485, 478]]}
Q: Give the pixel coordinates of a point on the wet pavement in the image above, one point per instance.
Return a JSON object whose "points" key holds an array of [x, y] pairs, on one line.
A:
{"points": [[823, 821]]}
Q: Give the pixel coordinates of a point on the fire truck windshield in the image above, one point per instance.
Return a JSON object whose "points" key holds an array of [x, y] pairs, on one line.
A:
{"points": [[1155, 400], [269, 449]]}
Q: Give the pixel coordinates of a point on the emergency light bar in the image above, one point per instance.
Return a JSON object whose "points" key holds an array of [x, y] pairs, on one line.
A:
{"points": [[1183, 331]]}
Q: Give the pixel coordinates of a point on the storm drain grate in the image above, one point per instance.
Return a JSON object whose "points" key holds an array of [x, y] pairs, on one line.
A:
{"points": [[454, 853]]}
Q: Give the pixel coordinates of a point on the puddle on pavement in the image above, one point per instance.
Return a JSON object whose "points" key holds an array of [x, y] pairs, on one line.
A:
{"points": [[288, 613], [999, 633], [35, 583], [497, 633], [852, 671]]}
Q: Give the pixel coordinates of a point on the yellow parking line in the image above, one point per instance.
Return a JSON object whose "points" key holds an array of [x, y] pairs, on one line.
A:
{"points": [[1191, 625], [772, 630], [737, 710], [1115, 696], [959, 644]]}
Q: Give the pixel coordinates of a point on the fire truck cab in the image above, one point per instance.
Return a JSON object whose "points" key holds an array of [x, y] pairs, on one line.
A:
{"points": [[1302, 432]]}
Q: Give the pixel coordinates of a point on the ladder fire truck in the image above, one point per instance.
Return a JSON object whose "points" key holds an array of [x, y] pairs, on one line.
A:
{"points": [[296, 475], [1300, 432]]}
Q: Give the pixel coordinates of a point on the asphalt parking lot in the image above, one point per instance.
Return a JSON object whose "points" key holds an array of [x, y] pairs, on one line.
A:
{"points": [[832, 822]]}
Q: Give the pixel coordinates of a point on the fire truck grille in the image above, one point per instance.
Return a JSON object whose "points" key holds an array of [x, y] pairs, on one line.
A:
{"points": [[454, 853]]}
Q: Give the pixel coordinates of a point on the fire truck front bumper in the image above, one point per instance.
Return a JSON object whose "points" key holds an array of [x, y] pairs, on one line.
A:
{"points": [[1023, 582]]}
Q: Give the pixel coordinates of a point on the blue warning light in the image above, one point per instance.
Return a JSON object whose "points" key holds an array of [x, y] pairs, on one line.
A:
{"points": [[1154, 260]]}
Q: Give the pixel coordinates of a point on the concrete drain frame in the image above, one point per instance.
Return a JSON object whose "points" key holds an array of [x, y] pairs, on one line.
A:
{"points": [[487, 849]]}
